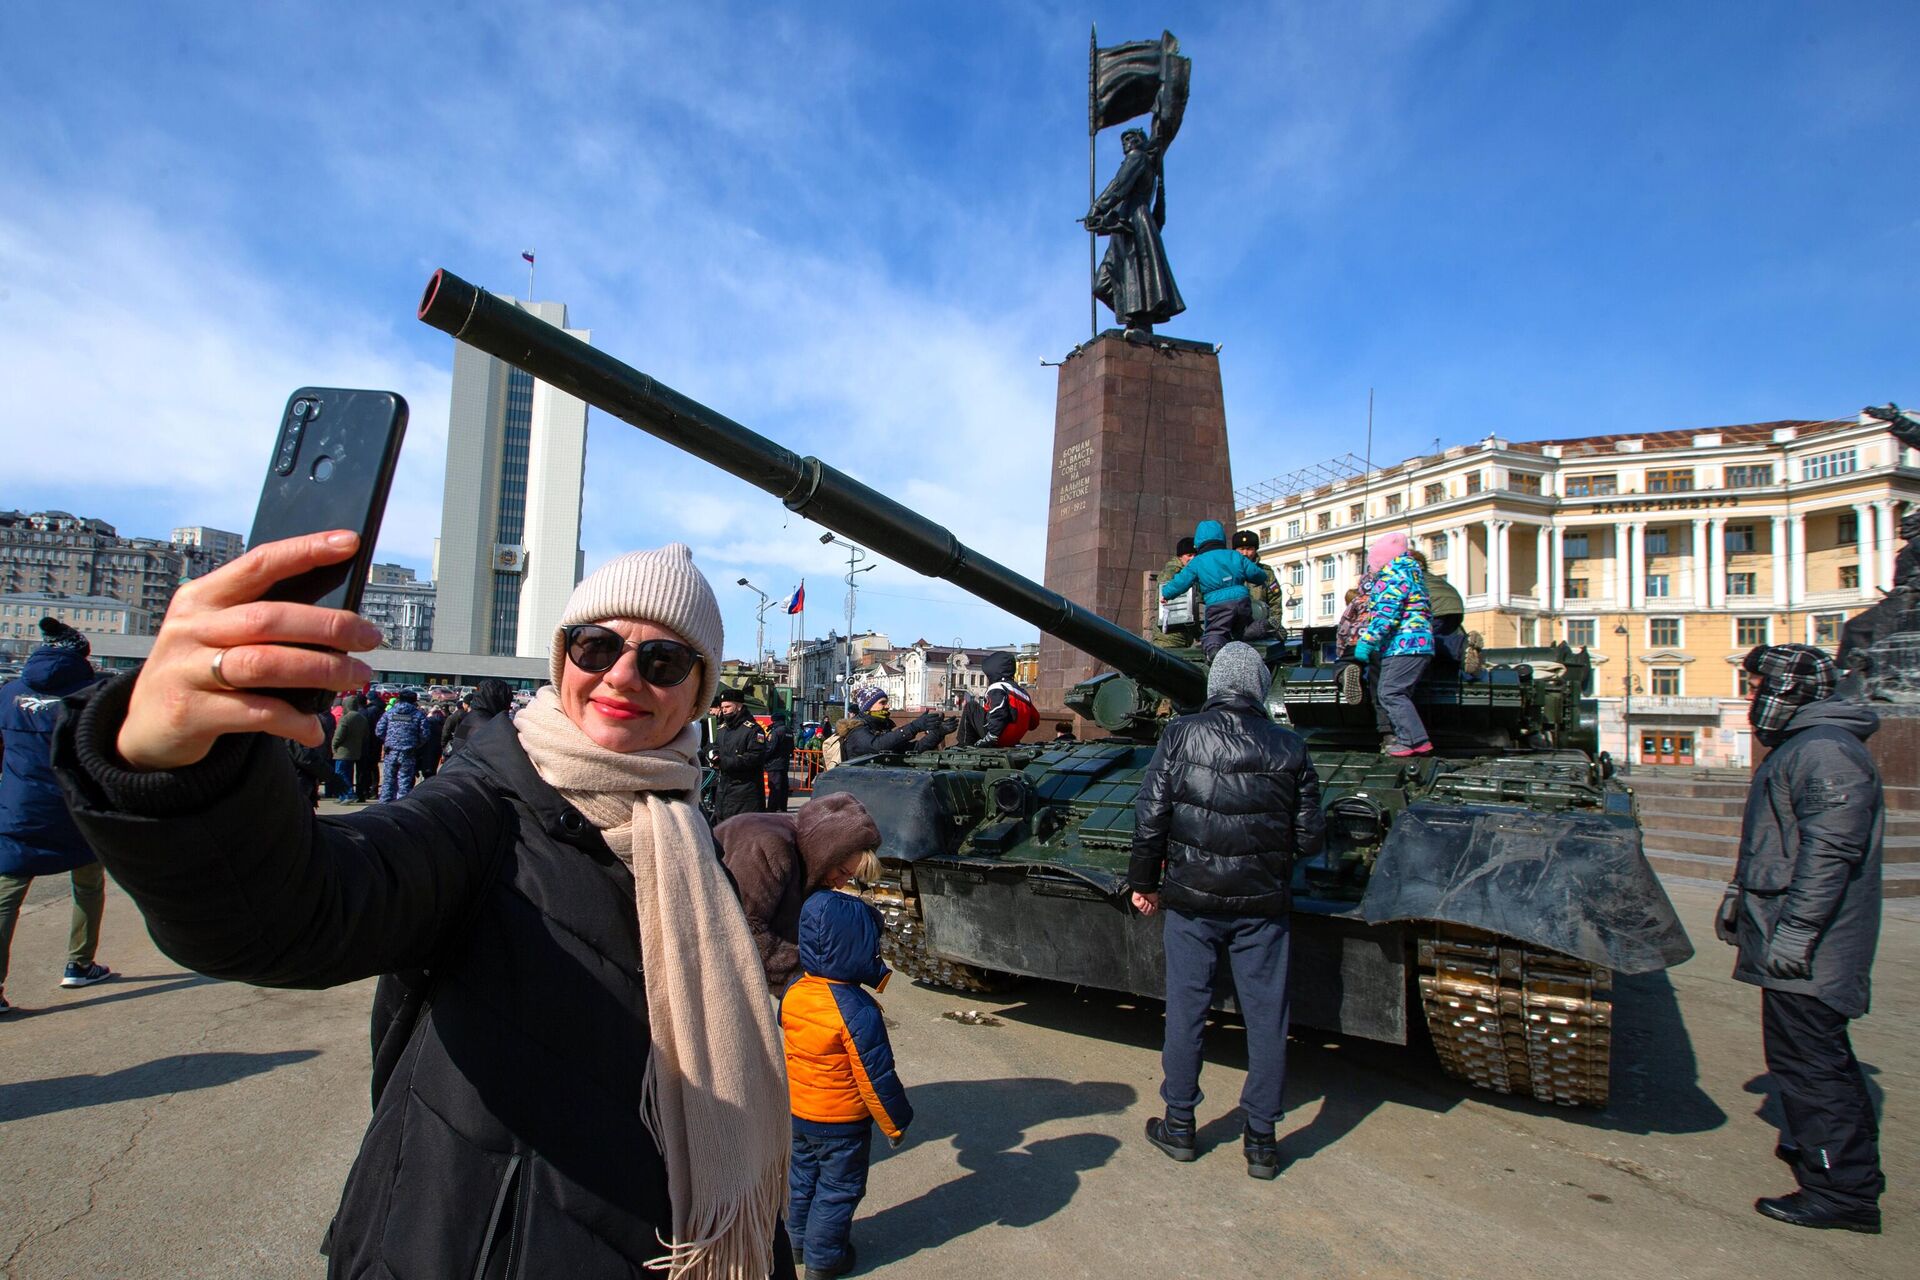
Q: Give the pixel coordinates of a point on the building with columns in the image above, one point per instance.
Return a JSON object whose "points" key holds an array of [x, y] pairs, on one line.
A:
{"points": [[1666, 554]]}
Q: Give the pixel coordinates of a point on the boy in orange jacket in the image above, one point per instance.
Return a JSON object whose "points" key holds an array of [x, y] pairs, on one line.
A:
{"points": [[840, 1077]]}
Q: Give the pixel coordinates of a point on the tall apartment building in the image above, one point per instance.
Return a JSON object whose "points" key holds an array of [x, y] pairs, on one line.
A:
{"points": [[400, 606], [207, 549], [55, 552], [20, 616], [817, 669], [509, 552], [1667, 555]]}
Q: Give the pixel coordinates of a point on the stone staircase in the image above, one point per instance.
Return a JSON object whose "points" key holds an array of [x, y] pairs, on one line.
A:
{"points": [[1692, 829]]}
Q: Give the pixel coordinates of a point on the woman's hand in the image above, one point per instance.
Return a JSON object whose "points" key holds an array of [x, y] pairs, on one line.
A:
{"points": [[180, 705]]}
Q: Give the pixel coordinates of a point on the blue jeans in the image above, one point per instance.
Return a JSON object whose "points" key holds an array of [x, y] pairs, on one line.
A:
{"points": [[827, 1177], [1255, 950], [342, 787], [396, 774]]}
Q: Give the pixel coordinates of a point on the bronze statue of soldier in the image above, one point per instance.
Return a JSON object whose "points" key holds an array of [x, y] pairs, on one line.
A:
{"points": [[1135, 279]]}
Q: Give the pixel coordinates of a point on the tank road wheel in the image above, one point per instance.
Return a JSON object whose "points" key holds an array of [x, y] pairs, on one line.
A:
{"points": [[904, 944], [1516, 1019]]}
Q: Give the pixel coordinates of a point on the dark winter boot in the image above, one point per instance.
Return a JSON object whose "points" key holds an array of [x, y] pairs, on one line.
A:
{"points": [[1173, 1138], [1263, 1155], [1802, 1210], [1350, 691]]}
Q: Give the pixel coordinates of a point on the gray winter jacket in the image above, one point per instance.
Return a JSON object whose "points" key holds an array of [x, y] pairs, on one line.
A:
{"points": [[1810, 850]]}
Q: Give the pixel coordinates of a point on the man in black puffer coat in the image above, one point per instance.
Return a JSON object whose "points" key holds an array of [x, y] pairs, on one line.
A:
{"points": [[1804, 911], [1227, 803]]}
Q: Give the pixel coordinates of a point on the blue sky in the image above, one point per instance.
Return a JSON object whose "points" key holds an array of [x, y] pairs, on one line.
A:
{"points": [[851, 227]]}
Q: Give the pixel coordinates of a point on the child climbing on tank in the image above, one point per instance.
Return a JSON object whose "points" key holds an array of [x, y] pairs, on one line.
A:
{"points": [[1223, 576], [1399, 633]]}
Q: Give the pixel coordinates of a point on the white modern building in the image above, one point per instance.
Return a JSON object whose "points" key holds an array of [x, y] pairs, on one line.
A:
{"points": [[207, 549], [509, 551]]}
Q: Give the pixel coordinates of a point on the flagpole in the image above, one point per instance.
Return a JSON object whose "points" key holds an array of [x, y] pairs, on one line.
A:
{"points": [[530, 276], [1093, 130]]}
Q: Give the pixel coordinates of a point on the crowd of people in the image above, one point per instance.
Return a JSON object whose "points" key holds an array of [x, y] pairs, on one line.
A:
{"points": [[710, 1112]]}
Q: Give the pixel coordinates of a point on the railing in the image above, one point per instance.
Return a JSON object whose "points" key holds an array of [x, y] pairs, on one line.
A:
{"points": [[1655, 704]]}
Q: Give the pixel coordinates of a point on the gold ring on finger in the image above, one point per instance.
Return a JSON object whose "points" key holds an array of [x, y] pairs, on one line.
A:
{"points": [[219, 677]]}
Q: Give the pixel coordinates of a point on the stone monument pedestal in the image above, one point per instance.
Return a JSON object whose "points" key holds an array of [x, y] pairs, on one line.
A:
{"points": [[1139, 456]]}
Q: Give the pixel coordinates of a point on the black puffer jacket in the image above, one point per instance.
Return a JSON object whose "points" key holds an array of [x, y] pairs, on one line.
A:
{"points": [[1228, 801], [508, 1054], [1810, 850]]}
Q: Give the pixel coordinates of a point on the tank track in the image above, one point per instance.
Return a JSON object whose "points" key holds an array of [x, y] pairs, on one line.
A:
{"points": [[1515, 1019], [903, 945]]}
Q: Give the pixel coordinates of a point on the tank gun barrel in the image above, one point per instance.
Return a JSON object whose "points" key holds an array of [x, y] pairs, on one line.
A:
{"points": [[805, 485]]}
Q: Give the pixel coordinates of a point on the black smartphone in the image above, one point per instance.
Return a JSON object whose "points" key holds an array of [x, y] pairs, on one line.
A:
{"points": [[332, 465]]}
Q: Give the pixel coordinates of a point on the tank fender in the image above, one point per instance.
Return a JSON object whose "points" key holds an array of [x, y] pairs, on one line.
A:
{"points": [[1575, 883], [918, 811]]}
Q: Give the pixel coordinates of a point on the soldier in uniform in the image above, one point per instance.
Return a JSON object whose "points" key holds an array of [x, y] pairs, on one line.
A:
{"points": [[739, 758], [1182, 552]]}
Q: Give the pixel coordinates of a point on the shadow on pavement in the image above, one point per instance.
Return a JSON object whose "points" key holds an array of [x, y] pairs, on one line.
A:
{"points": [[119, 988], [1655, 1084], [1008, 1180], [178, 1073]]}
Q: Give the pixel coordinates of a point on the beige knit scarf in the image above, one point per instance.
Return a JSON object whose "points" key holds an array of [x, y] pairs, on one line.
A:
{"points": [[715, 1089]]}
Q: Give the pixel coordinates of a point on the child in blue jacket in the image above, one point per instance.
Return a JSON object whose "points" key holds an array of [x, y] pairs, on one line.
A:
{"points": [[840, 1077], [1223, 576]]}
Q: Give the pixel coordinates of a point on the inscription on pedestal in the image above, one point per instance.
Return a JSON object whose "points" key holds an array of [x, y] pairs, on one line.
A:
{"points": [[1139, 455]]}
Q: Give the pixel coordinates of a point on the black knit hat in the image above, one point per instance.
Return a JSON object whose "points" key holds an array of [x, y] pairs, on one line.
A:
{"points": [[56, 634], [1184, 547]]}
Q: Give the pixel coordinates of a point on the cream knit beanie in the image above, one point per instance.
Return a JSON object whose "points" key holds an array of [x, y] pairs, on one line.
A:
{"points": [[651, 586]]}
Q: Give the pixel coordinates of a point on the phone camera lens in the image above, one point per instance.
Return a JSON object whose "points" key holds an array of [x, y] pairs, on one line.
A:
{"points": [[323, 468]]}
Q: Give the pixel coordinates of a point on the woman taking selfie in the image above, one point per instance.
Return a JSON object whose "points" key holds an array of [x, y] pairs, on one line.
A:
{"points": [[576, 1068]]}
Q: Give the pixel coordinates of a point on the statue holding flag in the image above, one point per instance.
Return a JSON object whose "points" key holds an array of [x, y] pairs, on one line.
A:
{"points": [[1124, 81]]}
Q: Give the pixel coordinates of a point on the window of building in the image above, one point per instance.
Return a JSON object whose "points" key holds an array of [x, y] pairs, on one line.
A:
{"points": [[1663, 633], [1523, 482], [1297, 574], [1293, 528], [1752, 476], [1656, 542], [1822, 466], [1847, 529], [1359, 564], [1393, 504], [1849, 577], [1664, 682], [1741, 584], [1293, 611], [1592, 486], [1436, 546], [1324, 522], [1434, 493], [1326, 604], [1473, 482], [1582, 633], [1356, 513], [1529, 632], [1327, 568], [1748, 632], [1573, 546], [1576, 588], [1739, 539], [1672, 480], [1824, 628], [1657, 586]]}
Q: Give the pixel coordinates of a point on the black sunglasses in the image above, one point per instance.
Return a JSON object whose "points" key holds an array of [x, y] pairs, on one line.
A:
{"points": [[661, 663]]}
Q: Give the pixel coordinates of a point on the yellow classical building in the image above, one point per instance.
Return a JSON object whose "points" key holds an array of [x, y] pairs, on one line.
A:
{"points": [[1667, 555]]}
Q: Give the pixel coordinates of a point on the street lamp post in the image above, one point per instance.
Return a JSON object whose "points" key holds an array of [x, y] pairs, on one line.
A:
{"points": [[854, 556], [759, 627], [1626, 699]]}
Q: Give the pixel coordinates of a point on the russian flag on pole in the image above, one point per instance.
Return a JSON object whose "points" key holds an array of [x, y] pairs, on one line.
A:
{"points": [[528, 255], [799, 600]]}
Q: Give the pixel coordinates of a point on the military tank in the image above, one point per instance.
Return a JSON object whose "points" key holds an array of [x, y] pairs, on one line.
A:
{"points": [[1487, 892]]}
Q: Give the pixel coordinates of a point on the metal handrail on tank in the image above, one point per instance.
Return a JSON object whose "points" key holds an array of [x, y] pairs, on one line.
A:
{"points": [[806, 485]]}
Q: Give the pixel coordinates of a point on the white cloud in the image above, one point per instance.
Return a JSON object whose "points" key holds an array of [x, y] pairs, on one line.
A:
{"points": [[145, 358]]}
